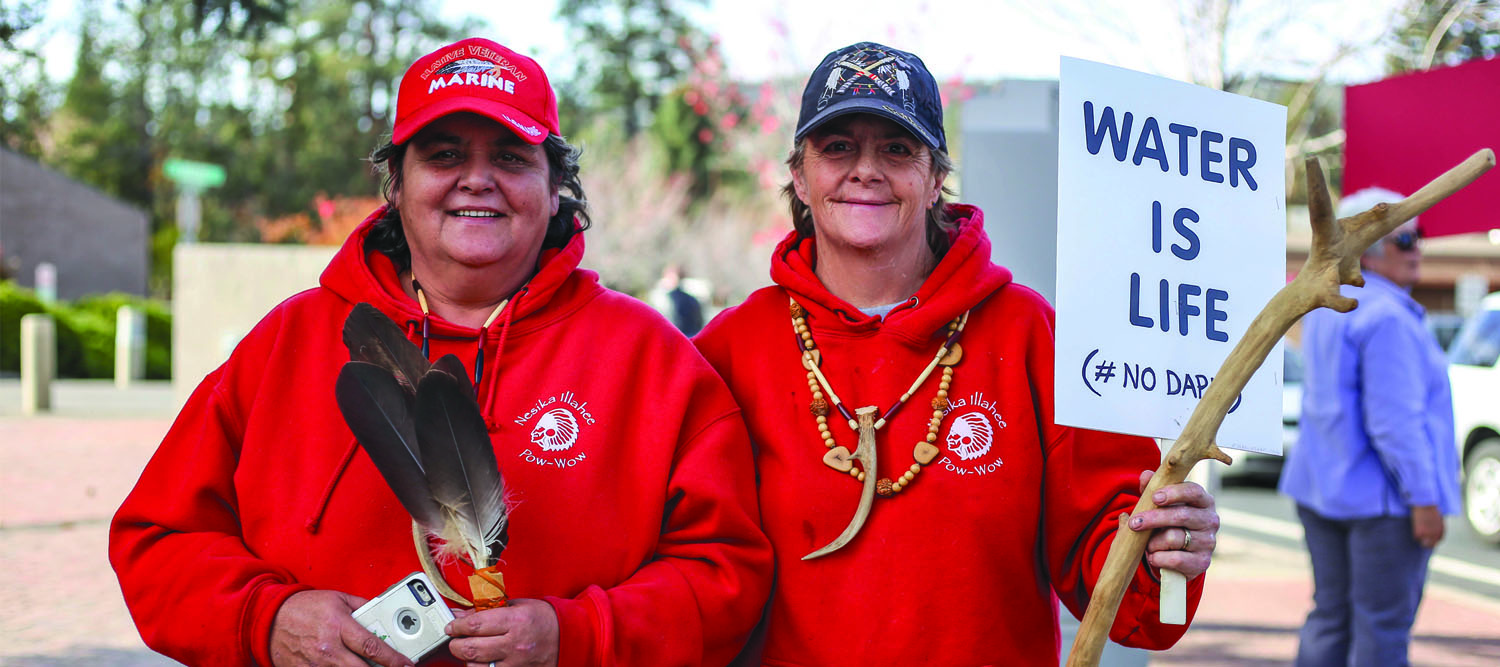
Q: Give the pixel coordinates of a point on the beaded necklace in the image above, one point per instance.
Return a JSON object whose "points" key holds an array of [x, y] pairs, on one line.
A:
{"points": [[840, 458]]}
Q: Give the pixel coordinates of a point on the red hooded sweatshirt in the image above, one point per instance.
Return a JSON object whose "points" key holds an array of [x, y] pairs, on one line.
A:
{"points": [[635, 518], [966, 564]]}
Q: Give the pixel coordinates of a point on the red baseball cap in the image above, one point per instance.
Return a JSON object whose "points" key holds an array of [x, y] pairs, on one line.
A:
{"points": [[481, 76]]}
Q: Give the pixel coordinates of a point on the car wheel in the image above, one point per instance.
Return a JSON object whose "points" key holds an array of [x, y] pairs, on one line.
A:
{"points": [[1482, 490]]}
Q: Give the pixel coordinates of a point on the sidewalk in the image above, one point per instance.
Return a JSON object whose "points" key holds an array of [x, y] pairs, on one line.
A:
{"points": [[62, 476]]}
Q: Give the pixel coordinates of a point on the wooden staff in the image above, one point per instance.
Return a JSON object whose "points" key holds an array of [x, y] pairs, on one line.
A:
{"points": [[1333, 261]]}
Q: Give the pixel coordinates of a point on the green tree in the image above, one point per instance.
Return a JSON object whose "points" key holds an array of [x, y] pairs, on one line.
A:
{"points": [[1449, 32], [25, 92], [630, 53], [101, 125]]}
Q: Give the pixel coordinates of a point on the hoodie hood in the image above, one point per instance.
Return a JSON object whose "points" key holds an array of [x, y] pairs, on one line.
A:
{"points": [[963, 278], [557, 289], [357, 276]]}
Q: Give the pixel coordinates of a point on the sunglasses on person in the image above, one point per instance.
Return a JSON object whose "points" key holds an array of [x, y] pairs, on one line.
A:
{"points": [[1406, 241]]}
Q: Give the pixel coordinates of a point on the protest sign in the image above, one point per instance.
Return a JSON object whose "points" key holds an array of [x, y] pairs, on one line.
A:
{"points": [[1171, 238]]}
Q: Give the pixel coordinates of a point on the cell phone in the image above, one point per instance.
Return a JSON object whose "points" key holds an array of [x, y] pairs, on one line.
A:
{"points": [[408, 616]]}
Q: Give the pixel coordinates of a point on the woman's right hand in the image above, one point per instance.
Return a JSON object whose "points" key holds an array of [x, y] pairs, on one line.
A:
{"points": [[317, 628]]}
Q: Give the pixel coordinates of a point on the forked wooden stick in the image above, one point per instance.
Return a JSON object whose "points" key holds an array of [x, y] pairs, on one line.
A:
{"points": [[1333, 260]]}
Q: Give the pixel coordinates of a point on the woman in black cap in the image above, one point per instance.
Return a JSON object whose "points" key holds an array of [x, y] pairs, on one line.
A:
{"points": [[890, 338]]}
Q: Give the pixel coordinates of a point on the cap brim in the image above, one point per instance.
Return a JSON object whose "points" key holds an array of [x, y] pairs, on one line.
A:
{"points": [[527, 128], [878, 107]]}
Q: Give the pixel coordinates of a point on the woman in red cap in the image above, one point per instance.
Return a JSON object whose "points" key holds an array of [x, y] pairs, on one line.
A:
{"points": [[260, 524], [894, 333]]}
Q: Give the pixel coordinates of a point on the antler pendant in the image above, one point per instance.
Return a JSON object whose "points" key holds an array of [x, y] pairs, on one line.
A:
{"points": [[865, 454], [1333, 261]]}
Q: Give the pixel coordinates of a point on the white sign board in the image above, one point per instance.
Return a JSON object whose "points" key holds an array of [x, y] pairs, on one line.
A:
{"points": [[1171, 236]]}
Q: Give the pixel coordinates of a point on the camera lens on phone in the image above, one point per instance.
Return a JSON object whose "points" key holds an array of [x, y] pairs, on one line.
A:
{"points": [[419, 591]]}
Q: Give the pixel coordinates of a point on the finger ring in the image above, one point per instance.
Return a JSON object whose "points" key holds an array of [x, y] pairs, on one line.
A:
{"points": [[1187, 538]]}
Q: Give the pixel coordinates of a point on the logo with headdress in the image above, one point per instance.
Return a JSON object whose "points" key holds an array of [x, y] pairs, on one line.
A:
{"points": [[555, 425], [974, 425], [868, 69], [970, 436], [556, 431]]}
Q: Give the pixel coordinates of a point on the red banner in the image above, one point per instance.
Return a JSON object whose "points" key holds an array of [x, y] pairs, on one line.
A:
{"points": [[1404, 131]]}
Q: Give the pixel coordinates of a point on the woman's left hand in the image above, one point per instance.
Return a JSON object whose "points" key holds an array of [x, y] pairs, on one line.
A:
{"points": [[1184, 525], [522, 633]]}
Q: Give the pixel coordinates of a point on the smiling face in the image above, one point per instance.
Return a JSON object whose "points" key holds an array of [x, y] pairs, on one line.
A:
{"points": [[474, 194], [868, 183]]}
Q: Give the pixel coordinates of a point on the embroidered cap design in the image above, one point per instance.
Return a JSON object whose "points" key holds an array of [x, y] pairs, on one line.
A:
{"points": [[867, 68]]}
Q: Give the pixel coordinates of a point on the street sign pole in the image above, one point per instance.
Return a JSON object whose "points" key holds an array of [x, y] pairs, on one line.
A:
{"points": [[192, 178]]}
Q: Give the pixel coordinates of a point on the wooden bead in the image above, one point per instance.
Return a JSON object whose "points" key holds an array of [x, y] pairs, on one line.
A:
{"points": [[817, 360], [808, 344], [916, 467], [932, 436], [942, 393], [883, 488], [861, 476], [908, 476], [817, 394], [823, 418], [828, 441], [937, 414], [955, 354], [839, 459], [924, 453]]}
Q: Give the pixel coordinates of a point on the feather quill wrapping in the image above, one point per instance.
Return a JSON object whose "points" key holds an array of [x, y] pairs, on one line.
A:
{"points": [[461, 470]]}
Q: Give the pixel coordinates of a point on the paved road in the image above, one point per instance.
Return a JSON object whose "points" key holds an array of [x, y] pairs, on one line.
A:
{"points": [[61, 477], [1461, 560]]}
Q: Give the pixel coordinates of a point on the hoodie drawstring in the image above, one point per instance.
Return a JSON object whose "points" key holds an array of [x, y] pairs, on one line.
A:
{"points": [[492, 389]]}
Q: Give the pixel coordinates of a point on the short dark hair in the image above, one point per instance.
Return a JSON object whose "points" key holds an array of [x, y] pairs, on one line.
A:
{"points": [[572, 216], [940, 223]]}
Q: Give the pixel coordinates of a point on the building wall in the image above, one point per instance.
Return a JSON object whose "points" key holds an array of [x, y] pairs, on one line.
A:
{"points": [[97, 243], [1009, 170], [221, 290]]}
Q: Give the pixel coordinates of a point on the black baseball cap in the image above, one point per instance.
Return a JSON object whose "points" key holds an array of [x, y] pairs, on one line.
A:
{"points": [[874, 78]]}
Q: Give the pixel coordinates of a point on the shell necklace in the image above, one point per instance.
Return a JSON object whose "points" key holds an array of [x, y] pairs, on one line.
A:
{"points": [[864, 423]]}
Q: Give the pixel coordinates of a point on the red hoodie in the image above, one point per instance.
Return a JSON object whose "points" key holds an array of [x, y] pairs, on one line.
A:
{"points": [[961, 567], [638, 524]]}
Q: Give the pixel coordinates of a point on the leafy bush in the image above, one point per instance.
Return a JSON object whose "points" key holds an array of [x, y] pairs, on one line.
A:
{"points": [[15, 301], [85, 332]]}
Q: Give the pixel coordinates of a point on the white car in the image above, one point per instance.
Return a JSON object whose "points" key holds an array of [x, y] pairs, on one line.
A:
{"points": [[1474, 372], [1266, 468]]}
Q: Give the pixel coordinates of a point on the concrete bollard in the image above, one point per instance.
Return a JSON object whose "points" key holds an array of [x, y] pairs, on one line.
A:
{"points": [[38, 362], [130, 346]]}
